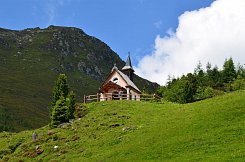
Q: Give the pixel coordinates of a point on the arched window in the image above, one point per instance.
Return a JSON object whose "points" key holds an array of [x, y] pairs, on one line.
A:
{"points": [[115, 80]]}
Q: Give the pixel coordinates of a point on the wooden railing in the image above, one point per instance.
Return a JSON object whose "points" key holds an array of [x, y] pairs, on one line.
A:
{"points": [[110, 96]]}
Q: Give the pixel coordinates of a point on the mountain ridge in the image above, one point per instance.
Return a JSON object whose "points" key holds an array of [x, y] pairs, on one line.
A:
{"points": [[30, 61]]}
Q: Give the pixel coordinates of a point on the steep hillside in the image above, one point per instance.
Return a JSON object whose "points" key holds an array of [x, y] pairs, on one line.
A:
{"points": [[30, 61], [209, 130]]}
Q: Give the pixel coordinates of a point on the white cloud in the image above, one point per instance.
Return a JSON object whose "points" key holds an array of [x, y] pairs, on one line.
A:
{"points": [[209, 34]]}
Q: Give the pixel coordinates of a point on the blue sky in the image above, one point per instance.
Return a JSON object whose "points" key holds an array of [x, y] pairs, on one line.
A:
{"points": [[125, 25], [200, 30]]}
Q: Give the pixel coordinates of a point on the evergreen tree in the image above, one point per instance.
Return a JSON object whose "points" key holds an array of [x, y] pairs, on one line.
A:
{"points": [[58, 114], [198, 69], [190, 88], [208, 67], [63, 103], [70, 102], [229, 72], [200, 75], [61, 87], [240, 71], [215, 78]]}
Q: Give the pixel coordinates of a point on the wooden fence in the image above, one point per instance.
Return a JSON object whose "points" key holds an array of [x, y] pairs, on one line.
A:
{"points": [[111, 96]]}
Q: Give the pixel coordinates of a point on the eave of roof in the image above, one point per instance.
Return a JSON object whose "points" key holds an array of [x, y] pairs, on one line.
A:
{"points": [[128, 81], [127, 67], [110, 85]]}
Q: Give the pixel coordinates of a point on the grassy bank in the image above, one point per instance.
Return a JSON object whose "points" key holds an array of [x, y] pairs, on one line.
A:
{"points": [[209, 130]]}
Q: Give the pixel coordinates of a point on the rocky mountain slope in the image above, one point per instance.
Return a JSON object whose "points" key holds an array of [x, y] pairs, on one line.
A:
{"points": [[30, 61]]}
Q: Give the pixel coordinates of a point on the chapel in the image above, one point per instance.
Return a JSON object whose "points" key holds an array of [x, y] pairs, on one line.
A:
{"points": [[120, 85]]}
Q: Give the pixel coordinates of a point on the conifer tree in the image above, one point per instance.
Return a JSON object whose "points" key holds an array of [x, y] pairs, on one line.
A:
{"points": [[70, 102], [229, 72], [63, 103], [200, 75], [240, 71], [61, 87], [58, 114]]}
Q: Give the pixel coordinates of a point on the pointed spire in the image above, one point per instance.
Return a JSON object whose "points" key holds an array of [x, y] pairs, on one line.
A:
{"points": [[128, 64]]}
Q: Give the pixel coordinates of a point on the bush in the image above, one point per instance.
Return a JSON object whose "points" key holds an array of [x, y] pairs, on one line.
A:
{"points": [[228, 87], [238, 84], [80, 110], [5, 152], [204, 92]]}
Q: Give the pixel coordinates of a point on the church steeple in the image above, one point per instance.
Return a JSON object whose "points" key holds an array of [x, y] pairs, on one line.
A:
{"points": [[128, 69]]}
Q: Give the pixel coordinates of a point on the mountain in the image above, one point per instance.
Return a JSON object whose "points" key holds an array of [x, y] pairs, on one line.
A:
{"points": [[30, 61], [208, 130]]}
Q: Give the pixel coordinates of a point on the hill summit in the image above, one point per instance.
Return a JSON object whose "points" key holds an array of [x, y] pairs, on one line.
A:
{"points": [[30, 61]]}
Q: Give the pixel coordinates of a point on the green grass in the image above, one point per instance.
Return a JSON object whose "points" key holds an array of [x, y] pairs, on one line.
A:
{"points": [[209, 130]]}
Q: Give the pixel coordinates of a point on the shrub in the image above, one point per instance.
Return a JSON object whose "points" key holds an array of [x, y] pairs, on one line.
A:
{"points": [[204, 92], [5, 152], [238, 84], [80, 110]]}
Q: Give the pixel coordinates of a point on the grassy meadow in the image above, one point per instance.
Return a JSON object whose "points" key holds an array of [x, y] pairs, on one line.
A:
{"points": [[208, 130]]}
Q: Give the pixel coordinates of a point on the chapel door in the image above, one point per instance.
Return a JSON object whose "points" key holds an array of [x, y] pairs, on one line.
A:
{"points": [[115, 95]]}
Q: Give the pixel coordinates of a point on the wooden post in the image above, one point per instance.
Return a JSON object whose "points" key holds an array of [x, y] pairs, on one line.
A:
{"points": [[128, 94], [97, 97]]}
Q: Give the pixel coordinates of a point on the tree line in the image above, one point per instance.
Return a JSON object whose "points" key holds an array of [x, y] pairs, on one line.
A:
{"points": [[202, 84]]}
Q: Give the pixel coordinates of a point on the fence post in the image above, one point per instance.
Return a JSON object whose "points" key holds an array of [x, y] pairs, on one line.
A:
{"points": [[97, 97]]}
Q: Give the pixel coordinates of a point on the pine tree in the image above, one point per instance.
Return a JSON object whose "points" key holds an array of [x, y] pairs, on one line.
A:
{"points": [[63, 103], [58, 114], [61, 87], [70, 102], [215, 78], [240, 71], [208, 67], [200, 75], [229, 72], [190, 88]]}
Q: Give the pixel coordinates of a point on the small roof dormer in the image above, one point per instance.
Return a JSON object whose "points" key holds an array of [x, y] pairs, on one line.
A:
{"points": [[114, 68]]}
